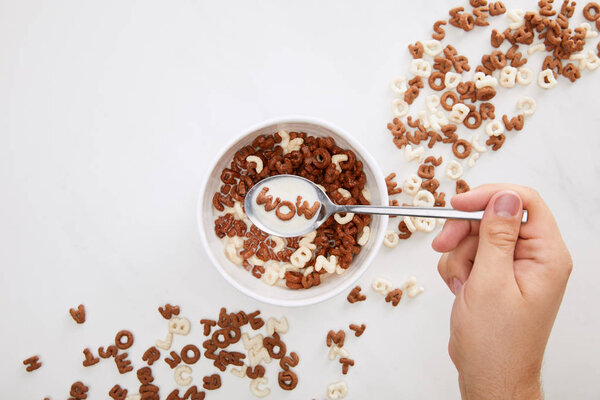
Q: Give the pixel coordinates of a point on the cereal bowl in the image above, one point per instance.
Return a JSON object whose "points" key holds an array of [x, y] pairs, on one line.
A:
{"points": [[242, 279]]}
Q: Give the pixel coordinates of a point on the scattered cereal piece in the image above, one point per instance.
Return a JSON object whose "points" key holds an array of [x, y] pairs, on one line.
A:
{"points": [[355, 295], [452, 80], [179, 377], [399, 108], [275, 346], [174, 360], [461, 186], [212, 382], [476, 145], [151, 355], [118, 393], [482, 80], [337, 390], [289, 361], [407, 226], [193, 394], [454, 170], [240, 373], [412, 184], [425, 224], [78, 391], [527, 106], [414, 154], [412, 288], [592, 61], [514, 123], [517, 18], [381, 286], [394, 297], [208, 324], [179, 326], [461, 149], [185, 354], [32, 363], [124, 345], [255, 356], [391, 185], [524, 76], [496, 143], [508, 77], [436, 162], [277, 326], [252, 343], [256, 372], [536, 47], [336, 351], [400, 85], [589, 32], [473, 159], [255, 388], [391, 239], [288, 380], [546, 79], [494, 128], [165, 344], [439, 34], [78, 314], [358, 330], [111, 351], [89, 358], [591, 11], [338, 338], [459, 113], [123, 364], [424, 198], [167, 311], [255, 321], [346, 363]]}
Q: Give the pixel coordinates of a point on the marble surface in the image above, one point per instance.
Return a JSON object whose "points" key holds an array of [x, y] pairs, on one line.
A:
{"points": [[111, 113]]}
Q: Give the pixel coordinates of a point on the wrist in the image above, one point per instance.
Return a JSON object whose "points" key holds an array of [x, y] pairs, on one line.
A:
{"points": [[523, 388]]}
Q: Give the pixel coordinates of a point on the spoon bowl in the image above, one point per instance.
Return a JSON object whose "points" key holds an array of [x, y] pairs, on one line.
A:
{"points": [[296, 186], [273, 226]]}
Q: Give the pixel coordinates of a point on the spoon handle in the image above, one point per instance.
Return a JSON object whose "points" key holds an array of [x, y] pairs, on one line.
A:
{"points": [[438, 212]]}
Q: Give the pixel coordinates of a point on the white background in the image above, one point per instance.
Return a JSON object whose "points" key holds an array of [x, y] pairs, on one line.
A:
{"points": [[110, 114]]}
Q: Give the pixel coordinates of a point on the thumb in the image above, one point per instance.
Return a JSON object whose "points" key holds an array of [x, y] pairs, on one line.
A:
{"points": [[498, 234]]}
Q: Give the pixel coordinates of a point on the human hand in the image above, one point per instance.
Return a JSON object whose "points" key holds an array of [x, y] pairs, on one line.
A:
{"points": [[509, 280]]}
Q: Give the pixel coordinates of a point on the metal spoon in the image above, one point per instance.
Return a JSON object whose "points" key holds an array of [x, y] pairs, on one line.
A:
{"points": [[328, 208]]}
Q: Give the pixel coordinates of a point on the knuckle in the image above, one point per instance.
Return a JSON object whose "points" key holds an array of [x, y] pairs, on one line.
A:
{"points": [[501, 236], [567, 263], [442, 265], [451, 352], [531, 193]]}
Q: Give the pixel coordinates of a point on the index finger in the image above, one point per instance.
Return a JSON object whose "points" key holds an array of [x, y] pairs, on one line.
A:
{"points": [[540, 220]]}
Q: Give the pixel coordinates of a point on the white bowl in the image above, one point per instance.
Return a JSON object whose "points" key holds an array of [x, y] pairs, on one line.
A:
{"points": [[242, 279]]}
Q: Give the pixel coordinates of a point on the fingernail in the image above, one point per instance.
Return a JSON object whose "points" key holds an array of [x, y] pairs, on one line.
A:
{"points": [[456, 285], [507, 205]]}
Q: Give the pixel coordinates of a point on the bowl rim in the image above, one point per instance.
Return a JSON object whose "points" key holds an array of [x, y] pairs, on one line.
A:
{"points": [[377, 240]]}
